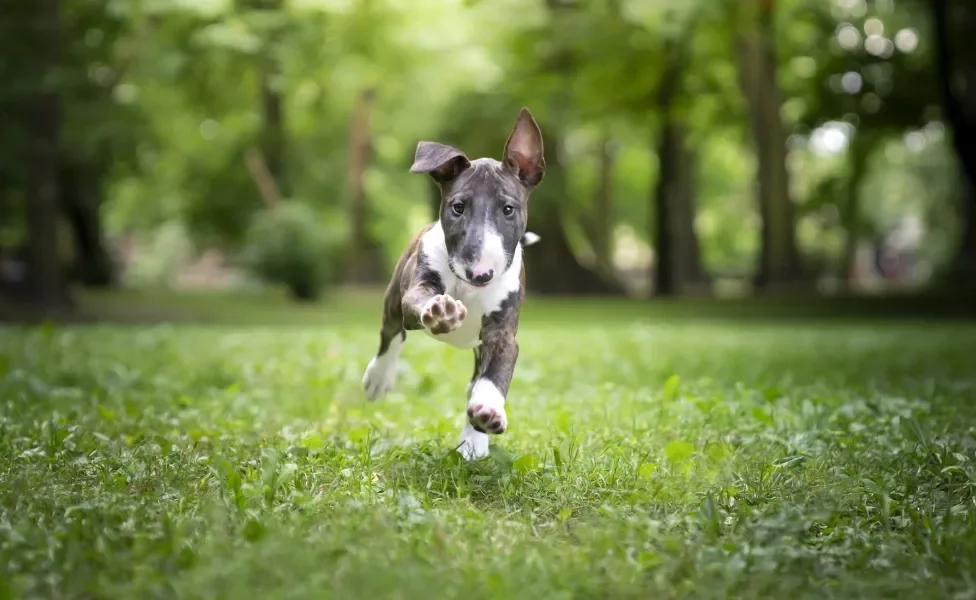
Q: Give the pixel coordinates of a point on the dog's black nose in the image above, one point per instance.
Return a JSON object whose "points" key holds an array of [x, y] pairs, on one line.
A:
{"points": [[480, 278]]}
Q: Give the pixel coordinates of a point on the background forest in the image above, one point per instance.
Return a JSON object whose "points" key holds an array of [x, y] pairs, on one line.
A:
{"points": [[695, 146]]}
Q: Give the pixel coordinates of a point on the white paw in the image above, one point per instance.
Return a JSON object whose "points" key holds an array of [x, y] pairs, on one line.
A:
{"points": [[486, 408], [380, 376], [443, 314], [473, 444]]}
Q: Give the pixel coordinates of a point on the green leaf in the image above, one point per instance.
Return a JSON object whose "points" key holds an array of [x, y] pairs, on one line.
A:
{"points": [[678, 452], [526, 463], [762, 415], [313, 442], [269, 469], [165, 446], [646, 470], [671, 388], [912, 430], [503, 458], [253, 531], [564, 513], [715, 452], [789, 461], [106, 414]]}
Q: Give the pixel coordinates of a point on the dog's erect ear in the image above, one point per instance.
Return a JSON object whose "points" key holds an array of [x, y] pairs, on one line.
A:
{"points": [[523, 150], [442, 163]]}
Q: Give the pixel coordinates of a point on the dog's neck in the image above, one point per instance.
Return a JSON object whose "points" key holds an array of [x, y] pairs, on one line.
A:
{"points": [[488, 298]]}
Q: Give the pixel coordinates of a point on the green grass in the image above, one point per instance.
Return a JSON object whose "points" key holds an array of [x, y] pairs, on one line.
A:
{"points": [[650, 455]]}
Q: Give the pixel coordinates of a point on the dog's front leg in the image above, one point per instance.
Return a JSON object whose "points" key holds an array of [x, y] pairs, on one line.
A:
{"points": [[423, 306], [486, 400], [428, 307]]}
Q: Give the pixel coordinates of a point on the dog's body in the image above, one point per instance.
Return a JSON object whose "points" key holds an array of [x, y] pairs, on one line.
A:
{"points": [[461, 279]]}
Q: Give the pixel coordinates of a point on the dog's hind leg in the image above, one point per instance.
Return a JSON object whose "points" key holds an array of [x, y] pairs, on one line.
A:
{"points": [[473, 443], [381, 372]]}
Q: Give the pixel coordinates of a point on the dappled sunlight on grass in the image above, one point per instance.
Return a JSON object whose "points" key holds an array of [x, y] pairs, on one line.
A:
{"points": [[686, 459]]}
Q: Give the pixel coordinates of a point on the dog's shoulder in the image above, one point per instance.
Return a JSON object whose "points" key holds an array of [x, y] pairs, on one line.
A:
{"points": [[411, 258]]}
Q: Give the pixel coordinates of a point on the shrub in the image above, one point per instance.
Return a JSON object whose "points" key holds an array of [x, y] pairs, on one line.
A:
{"points": [[292, 245]]}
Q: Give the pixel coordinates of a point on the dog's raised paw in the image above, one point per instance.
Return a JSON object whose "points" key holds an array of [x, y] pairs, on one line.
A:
{"points": [[379, 378], [443, 314]]}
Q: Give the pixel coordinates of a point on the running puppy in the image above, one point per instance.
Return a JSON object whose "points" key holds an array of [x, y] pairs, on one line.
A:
{"points": [[461, 279]]}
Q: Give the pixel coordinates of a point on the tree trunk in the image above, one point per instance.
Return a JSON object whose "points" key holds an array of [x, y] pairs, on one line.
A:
{"points": [[677, 259], [691, 275], [664, 275], [46, 278], [80, 191], [859, 151], [959, 25], [364, 262], [779, 258], [273, 135], [602, 230]]}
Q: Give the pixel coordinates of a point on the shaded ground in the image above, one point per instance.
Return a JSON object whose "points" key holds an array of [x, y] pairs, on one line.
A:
{"points": [[677, 456], [275, 308]]}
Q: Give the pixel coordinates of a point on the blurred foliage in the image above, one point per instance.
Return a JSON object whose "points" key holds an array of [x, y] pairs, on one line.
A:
{"points": [[165, 97], [290, 246]]}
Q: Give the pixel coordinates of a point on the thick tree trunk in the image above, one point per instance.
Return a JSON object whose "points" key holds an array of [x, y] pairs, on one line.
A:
{"points": [[46, 277], [956, 62], [364, 262], [779, 257], [80, 199], [665, 277], [677, 260]]}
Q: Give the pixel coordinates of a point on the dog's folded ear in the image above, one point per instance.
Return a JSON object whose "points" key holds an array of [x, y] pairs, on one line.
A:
{"points": [[524, 151], [443, 163]]}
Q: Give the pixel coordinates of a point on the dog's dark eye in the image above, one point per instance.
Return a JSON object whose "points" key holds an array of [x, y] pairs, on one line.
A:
{"points": [[508, 210], [458, 208]]}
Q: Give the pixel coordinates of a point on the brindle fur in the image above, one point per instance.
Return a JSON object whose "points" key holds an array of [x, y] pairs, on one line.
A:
{"points": [[496, 184], [494, 359]]}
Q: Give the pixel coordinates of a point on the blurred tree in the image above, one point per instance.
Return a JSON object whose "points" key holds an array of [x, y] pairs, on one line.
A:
{"points": [[45, 274], [954, 27], [867, 89], [364, 262], [677, 265], [269, 22], [601, 230], [779, 257]]}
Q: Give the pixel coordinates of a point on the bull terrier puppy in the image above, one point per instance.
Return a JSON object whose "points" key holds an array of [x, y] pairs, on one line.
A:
{"points": [[461, 279]]}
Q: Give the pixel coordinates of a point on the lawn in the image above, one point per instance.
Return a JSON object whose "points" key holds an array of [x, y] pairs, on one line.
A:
{"points": [[649, 455]]}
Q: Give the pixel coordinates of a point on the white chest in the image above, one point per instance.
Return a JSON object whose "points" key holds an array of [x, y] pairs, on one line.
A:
{"points": [[468, 335], [479, 301]]}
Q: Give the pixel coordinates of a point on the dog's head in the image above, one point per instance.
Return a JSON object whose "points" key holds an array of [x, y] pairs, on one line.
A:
{"points": [[484, 202]]}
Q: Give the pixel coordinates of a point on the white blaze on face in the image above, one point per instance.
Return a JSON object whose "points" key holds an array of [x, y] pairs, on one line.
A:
{"points": [[492, 257]]}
